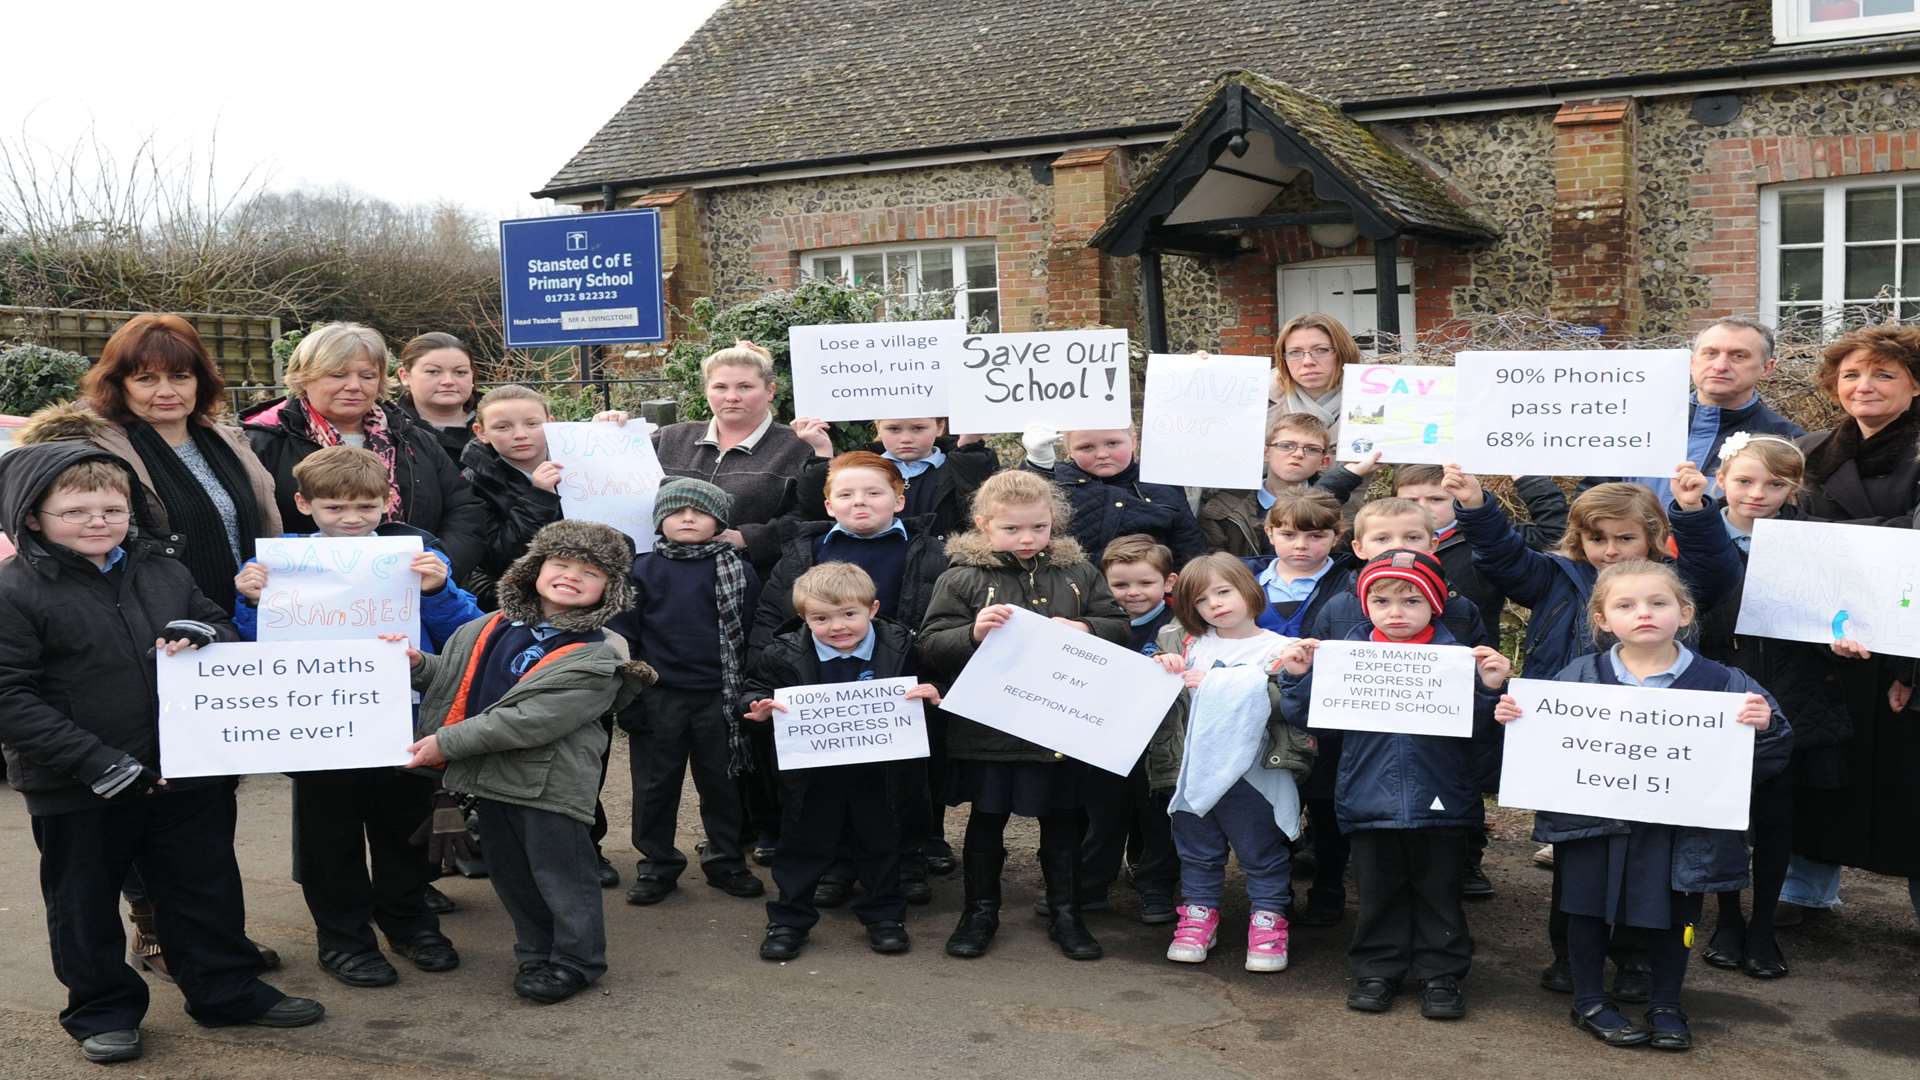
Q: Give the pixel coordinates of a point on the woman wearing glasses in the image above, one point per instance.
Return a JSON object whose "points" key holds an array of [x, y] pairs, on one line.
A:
{"points": [[1310, 356]]}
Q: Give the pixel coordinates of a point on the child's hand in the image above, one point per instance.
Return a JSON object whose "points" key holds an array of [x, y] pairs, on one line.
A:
{"points": [[1506, 710], [426, 753], [1297, 658], [433, 572], [762, 710], [1194, 677], [174, 647], [1898, 694], [612, 416], [1173, 662], [1037, 440], [251, 581], [1849, 649], [546, 476], [991, 618], [413, 654], [1463, 486], [1366, 465], [1755, 713], [1689, 486], [969, 440], [815, 433], [1072, 625], [926, 692], [1494, 667]]}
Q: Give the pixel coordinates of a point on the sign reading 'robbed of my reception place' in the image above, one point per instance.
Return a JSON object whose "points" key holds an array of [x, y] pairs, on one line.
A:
{"points": [[1067, 379], [848, 723], [295, 706], [1066, 690], [1672, 757], [1608, 412], [873, 371], [1386, 686]]}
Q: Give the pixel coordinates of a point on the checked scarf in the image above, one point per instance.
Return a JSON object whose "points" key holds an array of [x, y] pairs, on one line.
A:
{"points": [[730, 597]]}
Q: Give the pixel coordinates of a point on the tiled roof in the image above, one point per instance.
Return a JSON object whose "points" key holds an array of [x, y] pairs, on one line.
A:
{"points": [[766, 84]]}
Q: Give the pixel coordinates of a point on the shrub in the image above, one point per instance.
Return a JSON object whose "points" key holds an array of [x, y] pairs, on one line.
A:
{"points": [[35, 376]]}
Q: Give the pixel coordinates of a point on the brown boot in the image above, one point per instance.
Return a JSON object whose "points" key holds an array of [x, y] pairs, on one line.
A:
{"points": [[143, 952]]}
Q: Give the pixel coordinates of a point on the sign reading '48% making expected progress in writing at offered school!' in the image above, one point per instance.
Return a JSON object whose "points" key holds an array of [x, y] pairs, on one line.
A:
{"points": [[582, 279]]}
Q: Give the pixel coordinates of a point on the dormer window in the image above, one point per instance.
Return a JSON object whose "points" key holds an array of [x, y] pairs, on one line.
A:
{"points": [[1827, 20]]}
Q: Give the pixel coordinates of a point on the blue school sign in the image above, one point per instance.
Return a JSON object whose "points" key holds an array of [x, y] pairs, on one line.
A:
{"points": [[584, 279]]}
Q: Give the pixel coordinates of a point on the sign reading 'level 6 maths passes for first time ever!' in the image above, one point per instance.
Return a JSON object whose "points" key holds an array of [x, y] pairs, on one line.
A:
{"points": [[582, 279], [1604, 412], [1065, 379]]}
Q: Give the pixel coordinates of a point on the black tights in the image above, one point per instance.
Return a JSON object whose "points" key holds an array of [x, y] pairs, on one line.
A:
{"points": [[1771, 828], [1060, 829], [1587, 939]]}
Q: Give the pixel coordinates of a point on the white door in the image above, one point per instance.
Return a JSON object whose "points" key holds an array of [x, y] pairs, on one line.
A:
{"points": [[1344, 289]]}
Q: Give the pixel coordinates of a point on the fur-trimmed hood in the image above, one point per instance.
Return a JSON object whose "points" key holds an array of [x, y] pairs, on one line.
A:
{"points": [[971, 548], [601, 545], [69, 421]]}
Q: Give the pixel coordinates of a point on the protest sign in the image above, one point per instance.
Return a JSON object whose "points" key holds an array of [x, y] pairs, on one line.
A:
{"points": [[1384, 686], [1819, 581], [848, 723], [1065, 379], [1204, 422], [1620, 412], [1672, 757], [609, 474], [323, 588], [1405, 411], [873, 371], [1065, 690], [248, 707]]}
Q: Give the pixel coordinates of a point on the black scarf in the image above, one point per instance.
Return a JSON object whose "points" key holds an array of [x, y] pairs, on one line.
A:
{"points": [[190, 511], [1876, 455]]}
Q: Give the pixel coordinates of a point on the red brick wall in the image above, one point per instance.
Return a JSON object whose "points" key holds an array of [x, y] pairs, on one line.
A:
{"points": [[1595, 244]]}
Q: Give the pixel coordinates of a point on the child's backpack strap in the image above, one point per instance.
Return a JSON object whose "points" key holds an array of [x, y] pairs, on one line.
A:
{"points": [[458, 710]]}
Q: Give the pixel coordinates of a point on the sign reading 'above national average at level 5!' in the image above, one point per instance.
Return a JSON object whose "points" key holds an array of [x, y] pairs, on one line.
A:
{"points": [[582, 279]]}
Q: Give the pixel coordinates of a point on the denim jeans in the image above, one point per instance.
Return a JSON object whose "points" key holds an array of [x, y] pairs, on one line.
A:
{"points": [[1242, 820], [1817, 885]]}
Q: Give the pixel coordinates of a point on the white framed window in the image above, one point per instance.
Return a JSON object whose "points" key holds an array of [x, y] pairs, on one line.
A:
{"points": [[1344, 288], [1824, 20], [1841, 251], [950, 279]]}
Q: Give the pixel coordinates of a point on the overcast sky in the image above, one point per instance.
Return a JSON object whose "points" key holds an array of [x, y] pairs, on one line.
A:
{"points": [[479, 102]]}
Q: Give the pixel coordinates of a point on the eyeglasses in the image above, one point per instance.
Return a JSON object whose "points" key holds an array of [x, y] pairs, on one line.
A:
{"points": [[84, 517], [1290, 448], [1318, 352]]}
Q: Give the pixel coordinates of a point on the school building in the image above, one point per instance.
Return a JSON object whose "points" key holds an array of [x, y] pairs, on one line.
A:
{"points": [[1200, 171]]}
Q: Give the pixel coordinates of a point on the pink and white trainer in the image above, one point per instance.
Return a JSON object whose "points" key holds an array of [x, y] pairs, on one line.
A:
{"points": [[1267, 942], [1196, 933]]}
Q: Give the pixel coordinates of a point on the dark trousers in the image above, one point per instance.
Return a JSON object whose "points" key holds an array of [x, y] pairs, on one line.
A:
{"points": [[835, 813], [1770, 829], [1412, 924], [760, 790], [1628, 946], [344, 816], [600, 824], [1118, 807], [1331, 851], [543, 868], [182, 843], [1589, 938], [671, 729]]}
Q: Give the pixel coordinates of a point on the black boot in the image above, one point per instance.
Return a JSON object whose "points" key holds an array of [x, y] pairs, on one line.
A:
{"points": [[1061, 869], [980, 908]]}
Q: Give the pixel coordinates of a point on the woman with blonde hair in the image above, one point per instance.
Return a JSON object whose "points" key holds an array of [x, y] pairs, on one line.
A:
{"points": [[1309, 358]]}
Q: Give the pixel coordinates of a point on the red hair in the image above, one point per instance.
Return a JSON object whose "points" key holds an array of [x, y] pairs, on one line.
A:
{"points": [[163, 343]]}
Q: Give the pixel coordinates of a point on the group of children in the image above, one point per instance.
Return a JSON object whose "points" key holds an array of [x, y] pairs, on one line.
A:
{"points": [[922, 550]]}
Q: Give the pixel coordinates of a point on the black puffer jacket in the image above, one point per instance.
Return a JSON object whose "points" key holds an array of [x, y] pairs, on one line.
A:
{"points": [[516, 510], [1108, 506], [77, 685], [432, 494], [926, 561], [453, 440]]}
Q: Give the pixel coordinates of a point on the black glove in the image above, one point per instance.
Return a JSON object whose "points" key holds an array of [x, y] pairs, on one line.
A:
{"points": [[122, 776], [196, 633], [444, 833]]}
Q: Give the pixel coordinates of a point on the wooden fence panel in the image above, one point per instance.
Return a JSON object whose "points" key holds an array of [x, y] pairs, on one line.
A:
{"points": [[241, 344]]}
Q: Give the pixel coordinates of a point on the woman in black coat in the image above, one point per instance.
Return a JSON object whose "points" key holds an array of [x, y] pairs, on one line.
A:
{"points": [[1865, 470], [336, 380]]}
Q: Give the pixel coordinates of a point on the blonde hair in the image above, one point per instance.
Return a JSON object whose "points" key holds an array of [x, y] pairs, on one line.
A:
{"points": [[1780, 457], [1304, 423], [1201, 575], [1017, 487], [1391, 507], [742, 353], [1137, 548], [327, 349], [1345, 349], [86, 477], [509, 392], [341, 472], [1602, 585], [831, 584], [1618, 501]]}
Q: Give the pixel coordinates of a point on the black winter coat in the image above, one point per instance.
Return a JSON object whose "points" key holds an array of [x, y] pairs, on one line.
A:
{"points": [[77, 683], [1112, 506], [953, 485], [432, 494], [926, 561], [515, 511], [1546, 524], [453, 440]]}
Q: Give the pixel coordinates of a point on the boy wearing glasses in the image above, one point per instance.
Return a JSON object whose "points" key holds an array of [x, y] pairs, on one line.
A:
{"points": [[84, 605], [1299, 457]]}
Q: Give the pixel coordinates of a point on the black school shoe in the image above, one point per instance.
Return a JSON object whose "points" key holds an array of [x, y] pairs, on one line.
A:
{"points": [[1372, 995], [740, 883], [1157, 910], [782, 942], [438, 902], [609, 877], [1620, 1035], [1633, 983], [646, 891], [916, 891], [888, 937], [831, 893], [360, 970], [291, 1012], [1441, 999], [551, 984], [1558, 977], [111, 1046], [525, 972], [1670, 1039], [1727, 948], [762, 851], [429, 952], [1474, 884]]}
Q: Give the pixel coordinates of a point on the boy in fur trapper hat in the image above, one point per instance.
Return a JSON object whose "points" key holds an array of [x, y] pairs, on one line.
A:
{"points": [[511, 708]]}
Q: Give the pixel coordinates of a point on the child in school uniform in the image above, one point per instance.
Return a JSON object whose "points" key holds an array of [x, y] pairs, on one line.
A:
{"points": [[1307, 569], [1406, 803], [1101, 480], [347, 819], [865, 496], [837, 812], [1299, 456], [941, 471], [694, 599], [506, 464], [85, 602], [1633, 873], [1546, 523], [511, 710], [1216, 741], [1016, 553]]}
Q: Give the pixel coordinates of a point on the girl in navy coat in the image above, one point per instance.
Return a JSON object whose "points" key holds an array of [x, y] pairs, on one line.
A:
{"points": [[1638, 873], [1101, 480]]}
